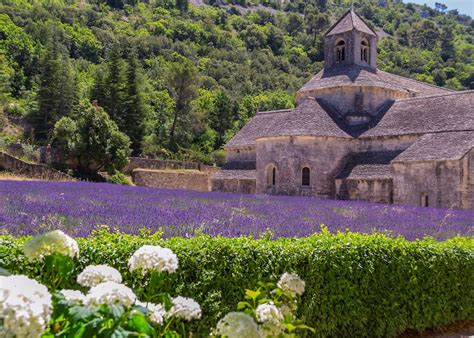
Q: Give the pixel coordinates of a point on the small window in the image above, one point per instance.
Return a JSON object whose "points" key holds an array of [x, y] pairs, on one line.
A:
{"points": [[305, 177], [424, 200], [364, 51], [340, 51], [271, 175]]}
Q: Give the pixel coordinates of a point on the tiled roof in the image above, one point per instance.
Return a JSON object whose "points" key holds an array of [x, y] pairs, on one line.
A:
{"points": [[439, 147], [309, 118], [349, 21], [370, 172], [451, 112], [241, 165], [255, 127], [235, 174], [356, 75], [369, 165]]}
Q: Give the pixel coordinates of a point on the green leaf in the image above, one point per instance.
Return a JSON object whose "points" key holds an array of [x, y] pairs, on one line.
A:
{"points": [[252, 294], [140, 324], [243, 305], [4, 272], [116, 310], [290, 327], [305, 327], [79, 313]]}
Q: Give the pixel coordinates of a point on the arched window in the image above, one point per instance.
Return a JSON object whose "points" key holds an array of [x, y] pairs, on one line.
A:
{"points": [[340, 51], [271, 175], [305, 177], [424, 200], [364, 51]]}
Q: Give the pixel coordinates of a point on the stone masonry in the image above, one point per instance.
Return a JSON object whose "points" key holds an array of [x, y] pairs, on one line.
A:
{"points": [[359, 133]]}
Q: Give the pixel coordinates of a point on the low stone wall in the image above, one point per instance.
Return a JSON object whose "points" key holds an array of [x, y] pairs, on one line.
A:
{"points": [[244, 186], [172, 179], [370, 190], [32, 170], [145, 163]]}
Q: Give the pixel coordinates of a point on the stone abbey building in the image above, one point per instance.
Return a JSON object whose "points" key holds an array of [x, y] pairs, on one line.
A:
{"points": [[359, 133]]}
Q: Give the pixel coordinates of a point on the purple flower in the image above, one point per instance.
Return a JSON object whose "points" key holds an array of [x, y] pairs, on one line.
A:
{"points": [[33, 207]]}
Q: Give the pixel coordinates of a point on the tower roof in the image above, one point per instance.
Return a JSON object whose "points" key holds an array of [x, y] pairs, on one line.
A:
{"points": [[348, 22]]}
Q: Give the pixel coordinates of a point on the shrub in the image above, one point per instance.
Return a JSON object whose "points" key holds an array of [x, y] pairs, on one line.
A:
{"points": [[356, 285], [118, 178]]}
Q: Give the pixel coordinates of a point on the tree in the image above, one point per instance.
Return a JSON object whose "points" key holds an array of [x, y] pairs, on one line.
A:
{"points": [[113, 103], [92, 141], [134, 112], [182, 80], [294, 24], [57, 93], [221, 116], [425, 34], [447, 43]]}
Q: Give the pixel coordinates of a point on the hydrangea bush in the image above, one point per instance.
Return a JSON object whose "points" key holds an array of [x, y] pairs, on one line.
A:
{"points": [[268, 311], [355, 284], [108, 308]]}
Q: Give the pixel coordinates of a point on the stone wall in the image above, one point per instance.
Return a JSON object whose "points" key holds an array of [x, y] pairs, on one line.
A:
{"points": [[467, 185], [371, 190], [172, 179], [244, 154], [343, 97], [145, 163], [244, 186], [441, 181], [324, 156], [32, 170], [352, 40]]}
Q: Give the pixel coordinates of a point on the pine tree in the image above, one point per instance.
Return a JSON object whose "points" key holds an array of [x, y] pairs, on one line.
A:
{"points": [[116, 88], [134, 108], [57, 93]]}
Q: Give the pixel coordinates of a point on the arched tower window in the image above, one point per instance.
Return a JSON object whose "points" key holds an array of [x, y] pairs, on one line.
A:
{"points": [[271, 175], [340, 51], [305, 177], [364, 51]]}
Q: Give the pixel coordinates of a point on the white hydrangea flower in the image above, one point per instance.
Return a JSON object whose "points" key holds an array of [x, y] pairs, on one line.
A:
{"points": [[237, 325], [50, 243], [270, 329], [156, 312], [25, 307], [271, 317], [184, 308], [268, 312], [291, 282], [93, 275], [110, 293], [153, 258], [73, 295]]}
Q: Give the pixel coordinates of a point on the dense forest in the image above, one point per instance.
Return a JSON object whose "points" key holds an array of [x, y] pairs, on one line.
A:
{"points": [[175, 79]]}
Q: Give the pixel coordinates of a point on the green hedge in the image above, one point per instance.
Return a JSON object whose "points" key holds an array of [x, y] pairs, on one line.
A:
{"points": [[357, 285]]}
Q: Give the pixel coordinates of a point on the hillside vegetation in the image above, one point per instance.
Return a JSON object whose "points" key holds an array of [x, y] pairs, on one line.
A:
{"points": [[179, 79]]}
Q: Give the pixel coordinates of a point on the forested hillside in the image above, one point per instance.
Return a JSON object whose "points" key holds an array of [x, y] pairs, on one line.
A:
{"points": [[179, 78]]}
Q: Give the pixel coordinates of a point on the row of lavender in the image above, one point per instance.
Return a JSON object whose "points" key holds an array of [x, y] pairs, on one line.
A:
{"points": [[35, 207]]}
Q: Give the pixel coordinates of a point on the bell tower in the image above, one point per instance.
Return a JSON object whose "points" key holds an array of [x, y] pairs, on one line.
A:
{"points": [[350, 41]]}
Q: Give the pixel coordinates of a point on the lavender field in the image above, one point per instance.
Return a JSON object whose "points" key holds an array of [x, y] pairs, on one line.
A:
{"points": [[28, 207]]}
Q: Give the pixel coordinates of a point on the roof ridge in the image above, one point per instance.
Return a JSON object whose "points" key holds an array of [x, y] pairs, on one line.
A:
{"points": [[276, 111], [417, 81], [436, 95], [362, 19], [337, 22]]}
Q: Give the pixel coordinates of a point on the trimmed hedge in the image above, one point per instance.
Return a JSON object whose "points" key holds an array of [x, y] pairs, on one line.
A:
{"points": [[356, 285]]}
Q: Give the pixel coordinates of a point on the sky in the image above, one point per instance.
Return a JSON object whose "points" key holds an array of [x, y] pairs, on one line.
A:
{"points": [[463, 6]]}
